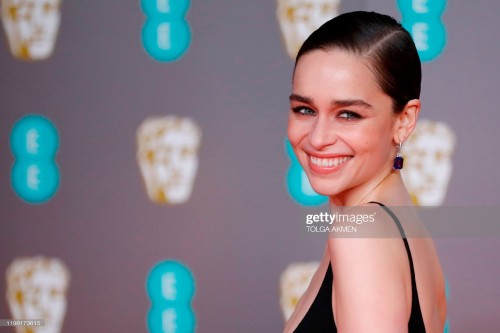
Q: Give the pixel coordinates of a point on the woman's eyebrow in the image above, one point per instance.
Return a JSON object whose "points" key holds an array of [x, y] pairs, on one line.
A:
{"points": [[336, 103], [351, 102], [299, 98]]}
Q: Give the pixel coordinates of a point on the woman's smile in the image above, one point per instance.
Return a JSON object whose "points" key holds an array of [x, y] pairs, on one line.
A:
{"points": [[327, 164]]}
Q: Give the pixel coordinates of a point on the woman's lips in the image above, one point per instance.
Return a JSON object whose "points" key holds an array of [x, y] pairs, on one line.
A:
{"points": [[327, 164]]}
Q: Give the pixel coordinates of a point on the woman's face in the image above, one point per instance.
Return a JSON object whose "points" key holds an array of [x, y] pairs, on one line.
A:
{"points": [[341, 125]]}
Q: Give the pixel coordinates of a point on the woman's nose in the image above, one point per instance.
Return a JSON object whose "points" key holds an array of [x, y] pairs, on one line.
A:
{"points": [[322, 133]]}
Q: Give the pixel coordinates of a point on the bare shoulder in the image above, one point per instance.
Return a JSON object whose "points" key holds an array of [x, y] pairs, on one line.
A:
{"points": [[371, 272]]}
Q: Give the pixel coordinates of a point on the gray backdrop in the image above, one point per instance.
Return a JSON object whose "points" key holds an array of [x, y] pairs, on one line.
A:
{"points": [[240, 229]]}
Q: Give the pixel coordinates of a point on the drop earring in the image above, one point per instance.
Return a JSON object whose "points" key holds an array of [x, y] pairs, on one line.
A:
{"points": [[398, 160]]}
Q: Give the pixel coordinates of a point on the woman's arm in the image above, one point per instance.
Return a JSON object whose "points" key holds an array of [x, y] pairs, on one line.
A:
{"points": [[372, 284]]}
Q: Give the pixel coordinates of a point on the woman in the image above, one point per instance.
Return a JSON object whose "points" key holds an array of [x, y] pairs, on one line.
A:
{"points": [[355, 100]]}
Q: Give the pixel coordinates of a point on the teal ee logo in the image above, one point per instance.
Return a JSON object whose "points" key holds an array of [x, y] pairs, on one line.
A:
{"points": [[34, 142], [166, 35], [447, 290], [297, 183], [422, 18], [170, 287]]}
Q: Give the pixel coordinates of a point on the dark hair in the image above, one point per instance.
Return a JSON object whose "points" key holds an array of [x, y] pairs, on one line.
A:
{"points": [[380, 39]]}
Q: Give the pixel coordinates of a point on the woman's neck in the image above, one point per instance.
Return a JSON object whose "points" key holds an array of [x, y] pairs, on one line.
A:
{"points": [[371, 191]]}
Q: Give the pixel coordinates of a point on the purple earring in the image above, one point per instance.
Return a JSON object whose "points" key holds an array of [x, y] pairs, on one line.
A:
{"points": [[398, 160]]}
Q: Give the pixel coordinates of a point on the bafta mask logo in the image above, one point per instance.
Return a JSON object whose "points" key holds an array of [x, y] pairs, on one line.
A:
{"points": [[167, 156], [36, 289], [293, 283], [428, 165], [299, 18], [31, 27]]}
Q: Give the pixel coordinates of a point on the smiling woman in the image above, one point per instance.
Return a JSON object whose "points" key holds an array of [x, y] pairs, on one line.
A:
{"points": [[355, 100]]}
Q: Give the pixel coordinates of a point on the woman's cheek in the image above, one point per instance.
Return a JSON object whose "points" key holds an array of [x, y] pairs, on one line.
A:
{"points": [[295, 133]]}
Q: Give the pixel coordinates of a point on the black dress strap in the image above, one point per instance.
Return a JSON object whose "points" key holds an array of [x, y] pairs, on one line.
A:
{"points": [[416, 322]]}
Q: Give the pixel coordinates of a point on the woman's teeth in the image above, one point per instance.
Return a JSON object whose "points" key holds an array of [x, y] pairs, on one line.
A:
{"points": [[328, 162]]}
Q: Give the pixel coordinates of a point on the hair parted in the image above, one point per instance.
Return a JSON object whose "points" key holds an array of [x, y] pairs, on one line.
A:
{"points": [[383, 42]]}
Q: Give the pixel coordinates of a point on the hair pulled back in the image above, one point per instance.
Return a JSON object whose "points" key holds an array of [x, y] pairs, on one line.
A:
{"points": [[383, 42]]}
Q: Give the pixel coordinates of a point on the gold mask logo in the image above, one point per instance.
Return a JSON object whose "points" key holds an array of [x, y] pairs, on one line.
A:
{"points": [[31, 27], [428, 162], [299, 18], [293, 284], [167, 157], [36, 289]]}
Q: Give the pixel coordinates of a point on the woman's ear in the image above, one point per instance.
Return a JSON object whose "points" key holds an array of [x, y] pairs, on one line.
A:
{"points": [[406, 120]]}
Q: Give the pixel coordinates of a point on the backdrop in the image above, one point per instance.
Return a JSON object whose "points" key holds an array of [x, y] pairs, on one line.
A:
{"points": [[240, 229]]}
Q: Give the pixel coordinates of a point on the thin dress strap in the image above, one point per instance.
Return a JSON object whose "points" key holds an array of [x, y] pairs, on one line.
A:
{"points": [[416, 323]]}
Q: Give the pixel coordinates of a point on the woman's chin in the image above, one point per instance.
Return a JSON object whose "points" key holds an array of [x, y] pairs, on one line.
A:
{"points": [[324, 190]]}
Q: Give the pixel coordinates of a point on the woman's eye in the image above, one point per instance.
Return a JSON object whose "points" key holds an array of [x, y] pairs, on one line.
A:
{"points": [[303, 110], [349, 115]]}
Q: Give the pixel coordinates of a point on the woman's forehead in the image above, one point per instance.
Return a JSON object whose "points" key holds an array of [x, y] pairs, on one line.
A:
{"points": [[336, 74]]}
